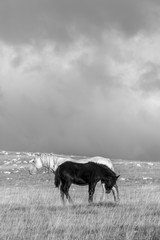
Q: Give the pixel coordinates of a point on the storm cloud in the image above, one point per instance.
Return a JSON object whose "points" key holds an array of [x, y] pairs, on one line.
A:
{"points": [[64, 21], [80, 77]]}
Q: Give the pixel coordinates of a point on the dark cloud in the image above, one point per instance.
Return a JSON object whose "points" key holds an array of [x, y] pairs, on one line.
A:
{"points": [[62, 21], [79, 98]]}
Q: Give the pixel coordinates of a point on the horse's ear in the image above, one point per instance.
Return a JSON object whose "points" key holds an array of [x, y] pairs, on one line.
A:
{"points": [[117, 176]]}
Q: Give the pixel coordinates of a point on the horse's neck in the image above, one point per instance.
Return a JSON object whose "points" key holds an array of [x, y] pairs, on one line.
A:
{"points": [[111, 172], [106, 170], [57, 161], [48, 161], [54, 162]]}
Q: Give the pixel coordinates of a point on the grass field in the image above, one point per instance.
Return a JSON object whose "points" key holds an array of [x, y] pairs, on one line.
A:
{"points": [[30, 206]]}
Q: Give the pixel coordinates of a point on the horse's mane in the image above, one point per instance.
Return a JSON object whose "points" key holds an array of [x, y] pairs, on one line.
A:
{"points": [[107, 168]]}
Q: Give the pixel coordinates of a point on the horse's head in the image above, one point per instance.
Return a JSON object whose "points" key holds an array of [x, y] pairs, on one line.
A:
{"points": [[110, 182], [35, 164]]}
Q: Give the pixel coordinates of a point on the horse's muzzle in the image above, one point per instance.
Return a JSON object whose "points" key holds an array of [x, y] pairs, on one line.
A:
{"points": [[30, 172]]}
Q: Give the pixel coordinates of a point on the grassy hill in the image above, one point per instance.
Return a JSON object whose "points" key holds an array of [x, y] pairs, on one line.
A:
{"points": [[30, 206]]}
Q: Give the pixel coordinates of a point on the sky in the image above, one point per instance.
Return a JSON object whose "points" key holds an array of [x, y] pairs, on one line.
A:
{"points": [[81, 77]]}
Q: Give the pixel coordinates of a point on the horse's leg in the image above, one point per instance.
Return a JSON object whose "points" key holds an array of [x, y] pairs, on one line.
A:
{"points": [[91, 191], [67, 192], [114, 194], [62, 193], [115, 189], [69, 198], [103, 192]]}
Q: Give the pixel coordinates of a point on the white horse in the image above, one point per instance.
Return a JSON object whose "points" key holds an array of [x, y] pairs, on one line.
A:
{"points": [[51, 162]]}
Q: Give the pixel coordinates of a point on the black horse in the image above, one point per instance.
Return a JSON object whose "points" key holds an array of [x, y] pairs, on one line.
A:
{"points": [[83, 174]]}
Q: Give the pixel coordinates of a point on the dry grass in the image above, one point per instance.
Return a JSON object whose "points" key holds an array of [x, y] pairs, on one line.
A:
{"points": [[36, 213], [30, 206]]}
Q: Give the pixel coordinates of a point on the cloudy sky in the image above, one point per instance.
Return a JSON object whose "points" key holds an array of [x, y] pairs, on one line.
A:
{"points": [[81, 77]]}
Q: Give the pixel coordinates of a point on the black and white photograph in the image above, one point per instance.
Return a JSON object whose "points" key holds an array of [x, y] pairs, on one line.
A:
{"points": [[79, 120]]}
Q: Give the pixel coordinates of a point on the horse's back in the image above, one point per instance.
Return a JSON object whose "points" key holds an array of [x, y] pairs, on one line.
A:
{"points": [[52, 161], [93, 168], [70, 167], [100, 160], [79, 173], [104, 161]]}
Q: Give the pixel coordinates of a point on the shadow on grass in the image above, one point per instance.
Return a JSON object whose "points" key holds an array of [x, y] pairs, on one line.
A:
{"points": [[105, 204], [78, 208], [84, 208]]}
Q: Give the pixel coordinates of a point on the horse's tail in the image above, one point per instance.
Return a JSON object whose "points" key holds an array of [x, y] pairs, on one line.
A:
{"points": [[57, 180]]}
